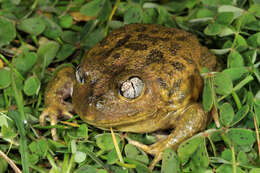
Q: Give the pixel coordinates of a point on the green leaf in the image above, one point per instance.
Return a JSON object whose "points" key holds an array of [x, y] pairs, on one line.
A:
{"points": [[53, 30], [223, 84], [235, 59], [7, 31], [163, 16], [227, 154], [149, 15], [94, 37], [235, 73], [213, 29], [33, 26], [112, 157], [25, 61], [254, 25], [39, 147], [200, 158], [188, 147], [105, 142], [132, 152], [8, 132], [255, 9], [207, 99], [242, 157], [47, 52], [133, 15], [32, 86], [87, 169], [226, 114], [92, 8], [224, 168], [82, 131], [254, 40], [240, 43], [241, 113], [170, 162], [204, 12], [226, 30], [228, 8], [70, 37], [5, 78], [242, 137], [66, 21], [225, 18], [65, 51], [220, 51], [255, 170], [105, 11], [80, 156]]}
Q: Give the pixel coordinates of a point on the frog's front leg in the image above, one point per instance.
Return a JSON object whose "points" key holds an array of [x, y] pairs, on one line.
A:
{"points": [[57, 90], [193, 120]]}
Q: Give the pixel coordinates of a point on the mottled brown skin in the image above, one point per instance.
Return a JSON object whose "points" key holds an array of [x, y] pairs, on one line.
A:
{"points": [[167, 60]]}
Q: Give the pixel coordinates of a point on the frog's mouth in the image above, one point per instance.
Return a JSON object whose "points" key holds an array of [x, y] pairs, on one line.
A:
{"points": [[104, 122]]}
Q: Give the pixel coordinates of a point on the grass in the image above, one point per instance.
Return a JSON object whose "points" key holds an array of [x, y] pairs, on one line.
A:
{"points": [[37, 37]]}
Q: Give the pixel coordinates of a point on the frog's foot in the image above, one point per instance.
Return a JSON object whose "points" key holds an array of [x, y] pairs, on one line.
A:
{"points": [[192, 120], [155, 149], [54, 112]]}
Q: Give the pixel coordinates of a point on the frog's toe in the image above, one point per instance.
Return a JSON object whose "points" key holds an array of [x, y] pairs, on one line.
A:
{"points": [[156, 159], [54, 112], [154, 149]]}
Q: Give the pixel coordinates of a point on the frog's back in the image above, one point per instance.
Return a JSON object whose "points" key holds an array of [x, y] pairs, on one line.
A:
{"points": [[140, 46], [167, 58]]}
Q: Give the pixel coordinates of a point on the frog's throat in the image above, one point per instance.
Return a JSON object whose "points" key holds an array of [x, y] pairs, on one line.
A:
{"points": [[122, 121]]}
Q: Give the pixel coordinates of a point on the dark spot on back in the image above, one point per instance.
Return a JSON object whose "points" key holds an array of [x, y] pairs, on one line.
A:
{"points": [[174, 48], [104, 42], [154, 31], [146, 37], [178, 66], [119, 43], [107, 53], [182, 38], [191, 80], [188, 60], [154, 56], [136, 46], [122, 41], [140, 29], [116, 56], [162, 82], [170, 32]]}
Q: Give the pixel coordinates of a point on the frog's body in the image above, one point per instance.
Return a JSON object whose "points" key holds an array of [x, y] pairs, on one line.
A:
{"points": [[164, 64]]}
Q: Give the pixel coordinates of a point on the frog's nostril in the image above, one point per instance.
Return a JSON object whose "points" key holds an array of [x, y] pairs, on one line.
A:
{"points": [[132, 87]]}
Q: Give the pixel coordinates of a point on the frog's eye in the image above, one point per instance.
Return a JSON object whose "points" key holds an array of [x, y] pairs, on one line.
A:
{"points": [[80, 75], [132, 87]]}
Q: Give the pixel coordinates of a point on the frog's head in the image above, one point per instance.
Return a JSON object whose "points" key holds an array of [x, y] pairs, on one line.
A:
{"points": [[106, 100]]}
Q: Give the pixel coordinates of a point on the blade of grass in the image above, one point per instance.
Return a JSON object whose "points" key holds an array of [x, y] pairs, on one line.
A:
{"points": [[19, 118], [116, 146], [257, 134], [97, 160], [234, 160]]}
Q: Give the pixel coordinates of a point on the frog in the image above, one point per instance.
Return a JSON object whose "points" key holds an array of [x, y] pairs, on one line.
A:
{"points": [[141, 78]]}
